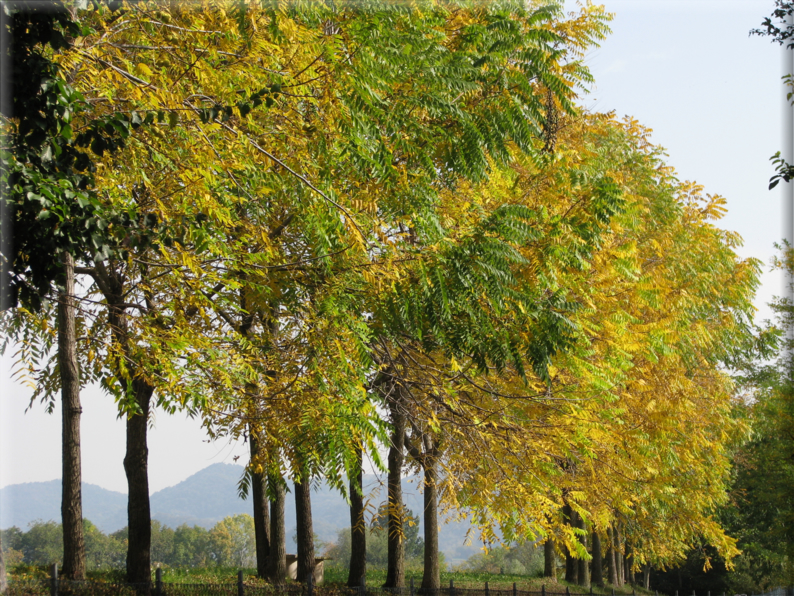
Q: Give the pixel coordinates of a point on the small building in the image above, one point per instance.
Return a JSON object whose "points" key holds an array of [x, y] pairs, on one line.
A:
{"points": [[319, 568]]}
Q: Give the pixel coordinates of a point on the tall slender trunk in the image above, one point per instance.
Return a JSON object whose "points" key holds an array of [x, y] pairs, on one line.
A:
{"points": [[611, 558], [571, 564], [584, 568], [395, 570], [549, 562], [136, 458], [303, 515], [261, 517], [431, 578], [358, 527], [597, 576], [136, 467], [277, 564], [628, 564], [71, 493], [619, 556]]}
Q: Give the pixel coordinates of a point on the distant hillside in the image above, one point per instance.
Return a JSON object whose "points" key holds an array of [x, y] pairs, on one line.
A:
{"points": [[205, 498], [21, 504]]}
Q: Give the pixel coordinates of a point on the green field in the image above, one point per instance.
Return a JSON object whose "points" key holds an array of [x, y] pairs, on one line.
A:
{"points": [[338, 577]]}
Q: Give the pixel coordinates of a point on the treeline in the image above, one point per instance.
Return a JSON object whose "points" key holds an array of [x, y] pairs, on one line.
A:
{"points": [[229, 543], [330, 228], [377, 557]]}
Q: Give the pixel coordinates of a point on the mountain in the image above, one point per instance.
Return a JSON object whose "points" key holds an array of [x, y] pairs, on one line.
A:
{"points": [[22, 504], [207, 497]]}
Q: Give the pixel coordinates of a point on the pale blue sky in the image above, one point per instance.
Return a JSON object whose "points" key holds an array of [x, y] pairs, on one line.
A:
{"points": [[685, 68]]}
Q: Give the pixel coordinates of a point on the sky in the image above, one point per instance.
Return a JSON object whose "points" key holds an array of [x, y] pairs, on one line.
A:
{"points": [[685, 68]]}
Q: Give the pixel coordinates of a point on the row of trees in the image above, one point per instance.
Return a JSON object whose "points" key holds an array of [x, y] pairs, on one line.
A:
{"points": [[230, 543], [332, 227]]}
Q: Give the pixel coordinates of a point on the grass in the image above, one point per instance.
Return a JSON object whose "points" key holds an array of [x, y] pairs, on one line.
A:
{"points": [[470, 579], [338, 577]]}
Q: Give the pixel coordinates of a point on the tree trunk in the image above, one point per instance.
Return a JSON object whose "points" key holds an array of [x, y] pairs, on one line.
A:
{"points": [[277, 564], [627, 565], [303, 516], [358, 527], [571, 564], [71, 493], [395, 571], [597, 577], [611, 558], [136, 461], [261, 517], [584, 569], [619, 556], [431, 578], [136, 458], [549, 562]]}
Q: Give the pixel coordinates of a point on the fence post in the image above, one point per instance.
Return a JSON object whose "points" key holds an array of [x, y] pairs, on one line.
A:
{"points": [[568, 591], [362, 585], [54, 579], [451, 588], [158, 582], [309, 578], [591, 589], [487, 591], [543, 590], [515, 591], [240, 587], [412, 586], [613, 592]]}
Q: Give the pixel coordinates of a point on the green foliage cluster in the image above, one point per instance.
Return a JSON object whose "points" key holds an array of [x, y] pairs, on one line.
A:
{"points": [[377, 541], [42, 544], [230, 543], [514, 559]]}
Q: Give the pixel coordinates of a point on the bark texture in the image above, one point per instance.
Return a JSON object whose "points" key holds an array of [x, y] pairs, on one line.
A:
{"points": [[431, 578], [627, 565], [584, 567], [303, 518], [71, 485], [358, 527], [261, 516], [132, 377], [136, 467], [611, 558], [597, 568], [571, 564], [549, 560], [619, 556], [277, 563], [395, 571]]}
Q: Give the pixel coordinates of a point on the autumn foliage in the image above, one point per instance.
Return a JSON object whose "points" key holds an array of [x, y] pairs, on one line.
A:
{"points": [[324, 216]]}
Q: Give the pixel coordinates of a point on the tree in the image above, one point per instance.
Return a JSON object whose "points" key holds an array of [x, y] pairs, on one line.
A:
{"points": [[377, 542], [48, 200], [233, 542], [3, 579], [779, 27], [191, 547], [357, 570]]}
